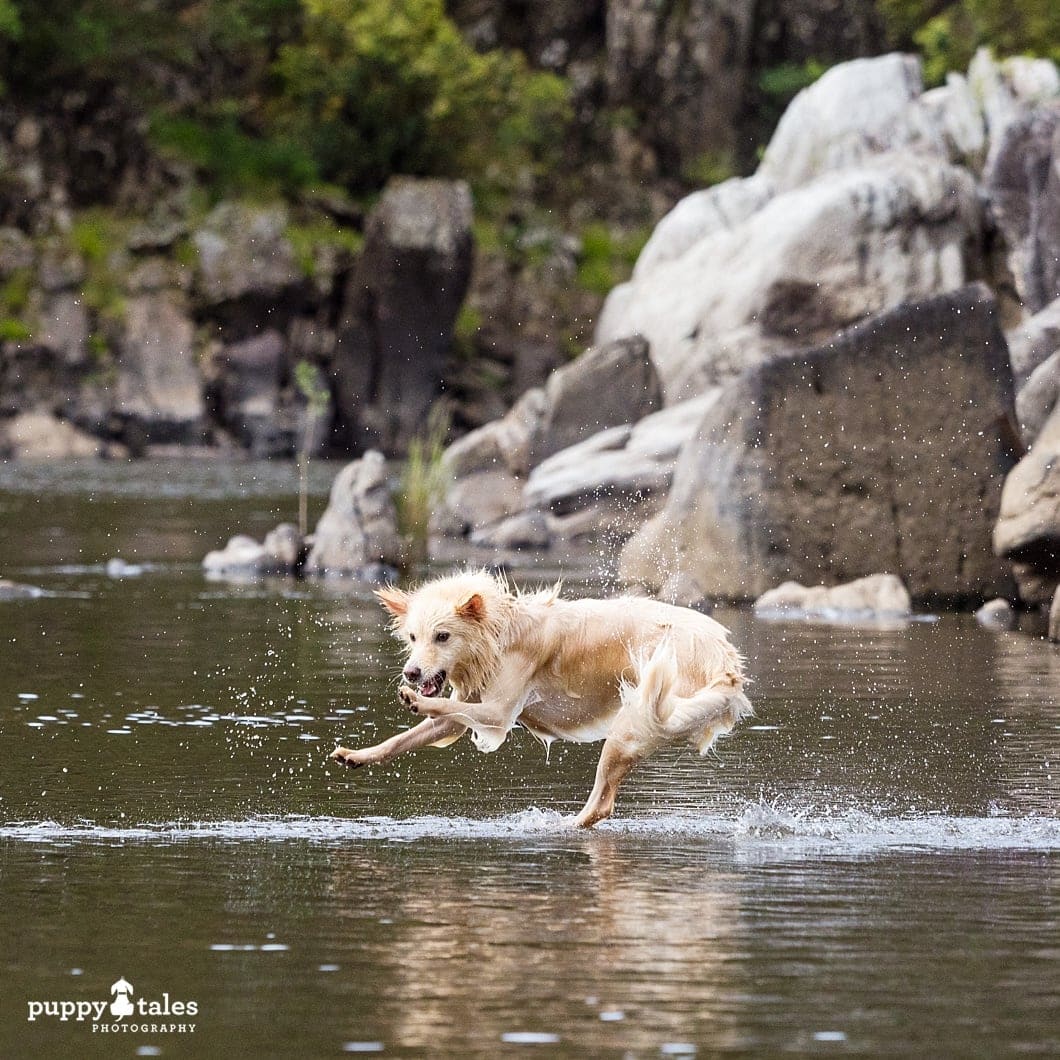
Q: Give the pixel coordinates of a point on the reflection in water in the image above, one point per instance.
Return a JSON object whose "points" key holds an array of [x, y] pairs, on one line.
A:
{"points": [[611, 925]]}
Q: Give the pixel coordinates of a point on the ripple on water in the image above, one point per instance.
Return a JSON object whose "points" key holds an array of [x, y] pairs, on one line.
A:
{"points": [[763, 827]]}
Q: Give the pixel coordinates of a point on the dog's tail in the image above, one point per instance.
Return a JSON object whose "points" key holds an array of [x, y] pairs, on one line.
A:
{"points": [[658, 715]]}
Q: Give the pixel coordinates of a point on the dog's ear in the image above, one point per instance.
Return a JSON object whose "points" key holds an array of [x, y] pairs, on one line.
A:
{"points": [[396, 601], [474, 607]]}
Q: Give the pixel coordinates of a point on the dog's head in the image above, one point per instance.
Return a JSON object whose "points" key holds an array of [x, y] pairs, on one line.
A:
{"points": [[446, 629]]}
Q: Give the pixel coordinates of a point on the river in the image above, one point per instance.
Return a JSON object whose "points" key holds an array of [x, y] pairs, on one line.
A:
{"points": [[869, 866]]}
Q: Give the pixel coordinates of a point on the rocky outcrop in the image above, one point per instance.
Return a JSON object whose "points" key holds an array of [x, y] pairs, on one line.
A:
{"points": [[1028, 526], [359, 526], [515, 463], [885, 447], [789, 275], [400, 307], [42, 436], [878, 596]]}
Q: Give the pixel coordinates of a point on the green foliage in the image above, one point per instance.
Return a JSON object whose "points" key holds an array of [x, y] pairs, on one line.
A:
{"points": [[98, 235], [376, 87], [710, 168], [307, 379], [782, 83], [15, 292], [233, 161], [607, 258], [14, 330], [947, 35], [421, 486], [308, 239]]}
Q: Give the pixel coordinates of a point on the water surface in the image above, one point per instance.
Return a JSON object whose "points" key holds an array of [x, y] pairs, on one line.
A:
{"points": [[869, 866]]}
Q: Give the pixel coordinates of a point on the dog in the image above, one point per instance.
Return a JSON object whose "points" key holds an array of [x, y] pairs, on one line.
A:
{"points": [[633, 672]]}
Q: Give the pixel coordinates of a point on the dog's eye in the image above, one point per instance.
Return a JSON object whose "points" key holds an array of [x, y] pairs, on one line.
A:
{"points": [[412, 637], [441, 637]]}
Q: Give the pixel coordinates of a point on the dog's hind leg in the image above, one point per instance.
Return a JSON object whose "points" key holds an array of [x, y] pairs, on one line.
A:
{"points": [[432, 731], [616, 763]]}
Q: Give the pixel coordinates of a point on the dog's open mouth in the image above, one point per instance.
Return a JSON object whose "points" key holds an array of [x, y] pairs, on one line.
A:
{"points": [[431, 686]]}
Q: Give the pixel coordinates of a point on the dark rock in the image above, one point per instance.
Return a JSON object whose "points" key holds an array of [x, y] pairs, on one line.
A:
{"points": [[885, 448], [248, 387], [400, 306]]}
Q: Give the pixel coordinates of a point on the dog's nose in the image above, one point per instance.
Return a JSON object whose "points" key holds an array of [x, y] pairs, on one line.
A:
{"points": [[413, 674]]}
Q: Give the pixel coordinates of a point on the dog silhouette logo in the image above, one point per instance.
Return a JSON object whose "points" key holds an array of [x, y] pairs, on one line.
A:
{"points": [[121, 1006]]}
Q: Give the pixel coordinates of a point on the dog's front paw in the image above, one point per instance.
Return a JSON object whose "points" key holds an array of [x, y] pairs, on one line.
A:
{"points": [[353, 759], [410, 697]]}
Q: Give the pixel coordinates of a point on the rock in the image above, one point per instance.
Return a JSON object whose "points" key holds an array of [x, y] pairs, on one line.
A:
{"points": [[687, 64], [60, 268], [1034, 342], [243, 253], [886, 447], [116, 567], [359, 525], [1008, 89], [625, 465], [1054, 618], [852, 112], [281, 553], [248, 393], [64, 327], [42, 436], [10, 590], [503, 444], [1028, 525], [158, 386], [602, 388], [702, 214], [996, 614], [1022, 186], [241, 556], [792, 273], [400, 307], [1038, 398], [875, 596], [284, 550], [476, 501], [16, 251], [527, 530]]}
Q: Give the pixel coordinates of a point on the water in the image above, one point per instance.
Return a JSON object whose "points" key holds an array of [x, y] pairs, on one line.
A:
{"points": [[869, 866]]}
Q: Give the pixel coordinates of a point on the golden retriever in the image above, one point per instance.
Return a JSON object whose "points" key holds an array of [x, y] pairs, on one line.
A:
{"points": [[633, 672]]}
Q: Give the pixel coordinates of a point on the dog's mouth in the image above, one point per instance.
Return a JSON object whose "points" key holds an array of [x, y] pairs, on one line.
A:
{"points": [[431, 686]]}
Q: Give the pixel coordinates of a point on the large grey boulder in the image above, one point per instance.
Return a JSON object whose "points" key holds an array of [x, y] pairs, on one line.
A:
{"points": [[39, 435], [1022, 185], [400, 307], [846, 246], [248, 377], [359, 525], [1028, 526], [884, 448], [1038, 398]]}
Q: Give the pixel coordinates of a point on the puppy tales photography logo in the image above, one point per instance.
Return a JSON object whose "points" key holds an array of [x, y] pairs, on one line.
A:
{"points": [[125, 1013]]}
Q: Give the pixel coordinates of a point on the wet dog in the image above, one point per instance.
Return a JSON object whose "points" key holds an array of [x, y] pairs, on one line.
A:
{"points": [[635, 673]]}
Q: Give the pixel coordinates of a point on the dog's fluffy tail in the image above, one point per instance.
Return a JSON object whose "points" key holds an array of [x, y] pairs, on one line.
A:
{"points": [[656, 715]]}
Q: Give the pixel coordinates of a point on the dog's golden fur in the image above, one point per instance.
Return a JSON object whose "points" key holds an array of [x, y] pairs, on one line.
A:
{"points": [[632, 672]]}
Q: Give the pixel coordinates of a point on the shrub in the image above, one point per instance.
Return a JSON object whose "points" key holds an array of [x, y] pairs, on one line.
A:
{"points": [[422, 483]]}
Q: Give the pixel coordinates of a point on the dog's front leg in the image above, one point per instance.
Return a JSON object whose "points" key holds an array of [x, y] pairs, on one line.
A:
{"points": [[427, 732], [489, 721]]}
